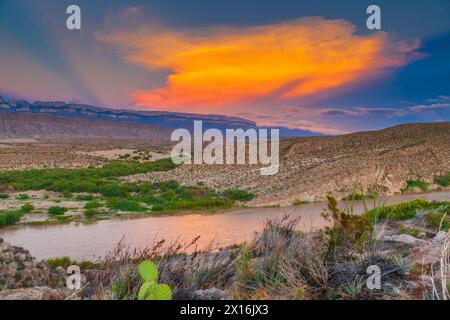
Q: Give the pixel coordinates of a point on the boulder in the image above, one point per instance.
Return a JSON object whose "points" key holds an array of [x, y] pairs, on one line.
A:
{"points": [[404, 239], [430, 253]]}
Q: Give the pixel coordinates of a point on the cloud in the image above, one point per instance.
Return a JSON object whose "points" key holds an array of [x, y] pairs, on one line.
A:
{"points": [[215, 67], [429, 108]]}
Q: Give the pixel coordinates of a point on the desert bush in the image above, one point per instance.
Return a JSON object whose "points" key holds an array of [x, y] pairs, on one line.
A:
{"points": [[238, 195], [23, 196], [420, 184], [126, 204], [410, 230], [299, 202], [347, 229], [84, 197], [89, 180], [401, 211], [90, 213], [9, 218], [93, 204], [438, 219], [65, 262], [27, 208], [443, 180]]}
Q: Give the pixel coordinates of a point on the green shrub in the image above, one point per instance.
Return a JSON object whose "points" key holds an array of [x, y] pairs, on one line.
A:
{"points": [[27, 208], [435, 218], [359, 196], [114, 190], [410, 230], [443, 180], [85, 197], [130, 205], [348, 229], [401, 211], [90, 213], [23, 197], [411, 184], [63, 218], [63, 262], [4, 196], [66, 262], [57, 211], [90, 180], [239, 195], [9, 218], [299, 202], [67, 194]]}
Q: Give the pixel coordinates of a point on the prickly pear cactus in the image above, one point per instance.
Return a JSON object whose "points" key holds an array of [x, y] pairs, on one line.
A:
{"points": [[148, 271], [150, 289]]}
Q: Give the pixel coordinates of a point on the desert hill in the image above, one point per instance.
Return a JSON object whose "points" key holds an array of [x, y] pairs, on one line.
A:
{"points": [[378, 161]]}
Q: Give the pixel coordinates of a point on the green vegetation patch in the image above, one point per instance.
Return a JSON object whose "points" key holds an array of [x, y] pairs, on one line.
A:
{"points": [[416, 184], [300, 202], [433, 212], [66, 262], [9, 218], [410, 231], [401, 211], [359, 196], [93, 204], [57, 211], [131, 205], [443, 180], [90, 180], [239, 195], [438, 219]]}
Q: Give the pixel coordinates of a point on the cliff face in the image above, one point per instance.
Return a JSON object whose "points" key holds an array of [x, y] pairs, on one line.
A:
{"points": [[165, 119], [21, 125]]}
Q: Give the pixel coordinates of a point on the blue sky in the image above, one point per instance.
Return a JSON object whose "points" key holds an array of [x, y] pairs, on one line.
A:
{"points": [[370, 80]]}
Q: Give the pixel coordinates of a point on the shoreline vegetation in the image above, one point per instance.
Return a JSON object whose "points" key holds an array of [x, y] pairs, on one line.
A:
{"points": [[86, 195]]}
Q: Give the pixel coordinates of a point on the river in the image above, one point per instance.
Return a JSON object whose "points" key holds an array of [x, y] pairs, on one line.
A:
{"points": [[90, 241]]}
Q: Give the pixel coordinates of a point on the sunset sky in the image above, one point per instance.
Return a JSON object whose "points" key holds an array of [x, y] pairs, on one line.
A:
{"points": [[300, 64]]}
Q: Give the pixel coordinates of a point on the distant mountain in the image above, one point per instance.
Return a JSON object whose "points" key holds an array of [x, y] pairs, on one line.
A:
{"points": [[162, 119], [23, 125]]}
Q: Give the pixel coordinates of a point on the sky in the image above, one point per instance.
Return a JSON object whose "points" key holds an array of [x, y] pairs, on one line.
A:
{"points": [[310, 65]]}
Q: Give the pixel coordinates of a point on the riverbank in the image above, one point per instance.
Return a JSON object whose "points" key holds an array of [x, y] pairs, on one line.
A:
{"points": [[83, 241], [404, 241]]}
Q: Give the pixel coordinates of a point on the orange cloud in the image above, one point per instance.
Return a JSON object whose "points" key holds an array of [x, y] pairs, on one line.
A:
{"points": [[220, 66]]}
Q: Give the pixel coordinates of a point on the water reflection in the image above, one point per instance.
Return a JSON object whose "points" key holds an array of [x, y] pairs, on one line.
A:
{"points": [[81, 241]]}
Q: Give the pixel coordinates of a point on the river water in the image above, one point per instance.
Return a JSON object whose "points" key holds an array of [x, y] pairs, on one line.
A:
{"points": [[88, 241]]}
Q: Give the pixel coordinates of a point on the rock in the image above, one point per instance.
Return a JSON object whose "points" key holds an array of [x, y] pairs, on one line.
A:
{"points": [[405, 239], [18, 269], [440, 237], [21, 257], [432, 252], [210, 294], [61, 271]]}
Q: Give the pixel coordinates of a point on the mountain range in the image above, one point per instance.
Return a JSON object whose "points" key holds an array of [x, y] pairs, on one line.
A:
{"points": [[73, 120]]}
